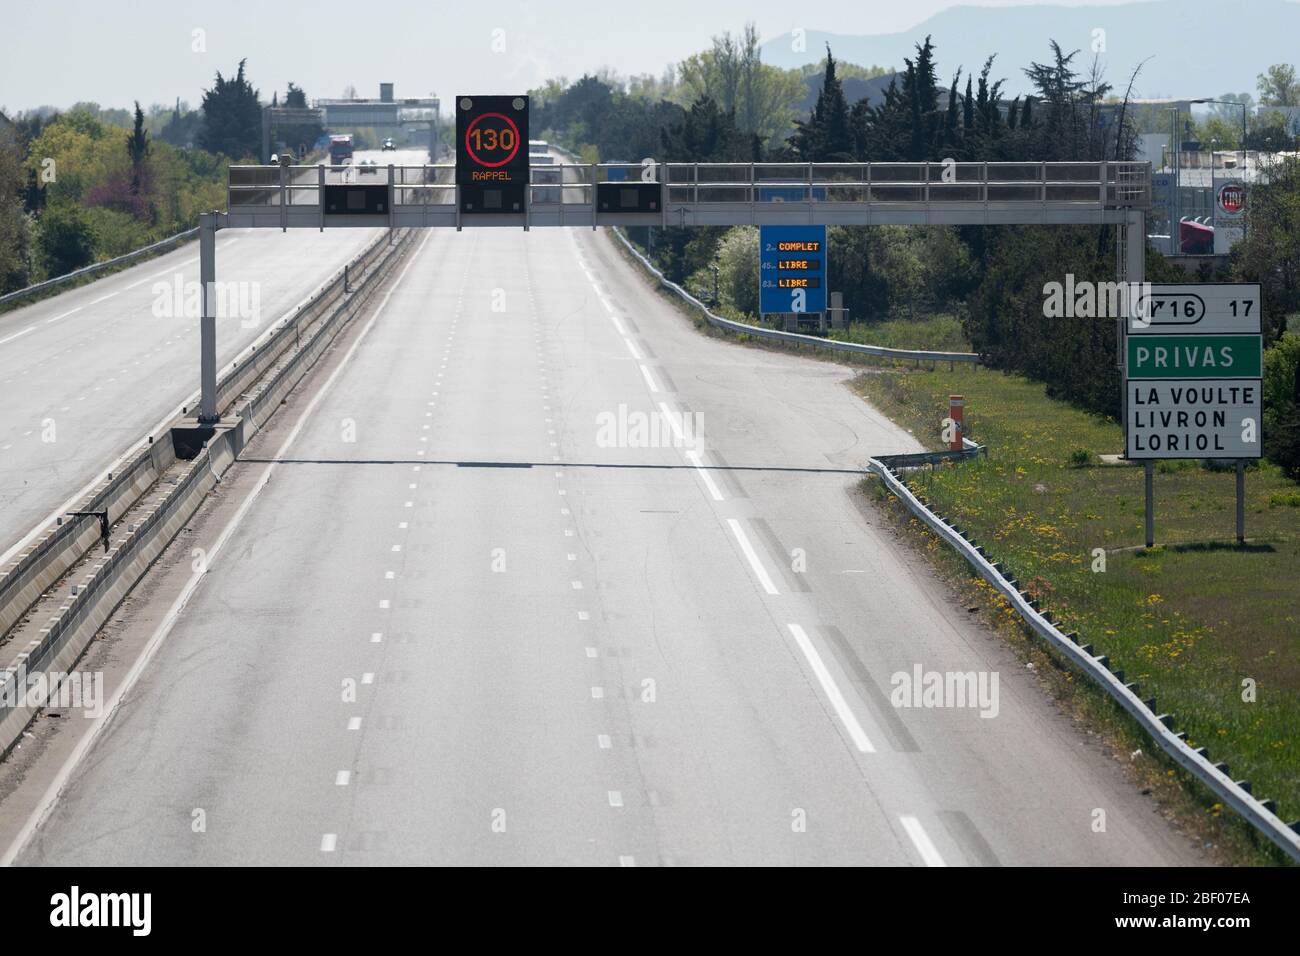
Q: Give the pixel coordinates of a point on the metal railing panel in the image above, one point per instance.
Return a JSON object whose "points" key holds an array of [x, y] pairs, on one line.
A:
{"points": [[713, 193]]}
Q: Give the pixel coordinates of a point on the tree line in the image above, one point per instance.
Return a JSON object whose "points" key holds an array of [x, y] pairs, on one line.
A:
{"points": [[992, 278], [90, 183]]}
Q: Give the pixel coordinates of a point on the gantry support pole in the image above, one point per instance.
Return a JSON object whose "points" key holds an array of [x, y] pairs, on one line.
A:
{"points": [[208, 223]]}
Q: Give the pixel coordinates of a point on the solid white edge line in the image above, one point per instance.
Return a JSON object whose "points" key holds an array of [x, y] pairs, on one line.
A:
{"points": [[831, 690], [752, 557], [922, 841], [165, 626]]}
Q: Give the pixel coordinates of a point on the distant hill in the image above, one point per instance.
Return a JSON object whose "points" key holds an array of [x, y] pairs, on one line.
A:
{"points": [[1197, 47], [855, 88]]}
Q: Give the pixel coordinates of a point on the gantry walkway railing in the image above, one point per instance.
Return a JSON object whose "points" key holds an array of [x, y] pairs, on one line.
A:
{"points": [[706, 194]]}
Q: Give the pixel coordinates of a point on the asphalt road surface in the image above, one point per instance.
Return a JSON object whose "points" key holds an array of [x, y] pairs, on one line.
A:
{"points": [[86, 374], [486, 611]]}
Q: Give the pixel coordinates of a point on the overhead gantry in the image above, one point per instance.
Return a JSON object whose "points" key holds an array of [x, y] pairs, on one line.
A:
{"points": [[678, 194]]}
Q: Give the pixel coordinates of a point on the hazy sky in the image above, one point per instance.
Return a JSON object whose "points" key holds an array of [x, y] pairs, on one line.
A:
{"points": [[60, 51]]}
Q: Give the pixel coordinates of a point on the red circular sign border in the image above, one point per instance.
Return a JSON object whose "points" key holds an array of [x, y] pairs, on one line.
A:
{"points": [[1239, 192], [474, 156]]}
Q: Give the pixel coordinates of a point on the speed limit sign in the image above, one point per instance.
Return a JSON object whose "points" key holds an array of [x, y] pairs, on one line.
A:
{"points": [[492, 153]]}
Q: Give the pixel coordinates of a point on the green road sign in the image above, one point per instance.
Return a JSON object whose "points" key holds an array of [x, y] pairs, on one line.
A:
{"points": [[1195, 356]]}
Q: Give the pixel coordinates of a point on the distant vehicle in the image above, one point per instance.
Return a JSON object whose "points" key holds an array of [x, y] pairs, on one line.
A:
{"points": [[538, 147], [340, 150], [1195, 239], [367, 167], [389, 144]]}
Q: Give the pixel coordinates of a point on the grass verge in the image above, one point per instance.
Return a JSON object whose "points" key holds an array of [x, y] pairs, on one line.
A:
{"points": [[1199, 621], [932, 333]]}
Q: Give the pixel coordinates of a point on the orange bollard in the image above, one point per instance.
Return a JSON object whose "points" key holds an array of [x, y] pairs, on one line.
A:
{"points": [[957, 414]]}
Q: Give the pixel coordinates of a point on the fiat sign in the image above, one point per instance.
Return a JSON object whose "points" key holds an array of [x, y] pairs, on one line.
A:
{"points": [[1232, 198]]}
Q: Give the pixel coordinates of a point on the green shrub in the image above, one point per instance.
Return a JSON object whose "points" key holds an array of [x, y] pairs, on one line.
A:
{"points": [[65, 239], [1282, 404]]}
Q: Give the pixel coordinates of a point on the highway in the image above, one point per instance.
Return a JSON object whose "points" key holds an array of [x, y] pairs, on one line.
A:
{"points": [[398, 157], [87, 373], [457, 612]]}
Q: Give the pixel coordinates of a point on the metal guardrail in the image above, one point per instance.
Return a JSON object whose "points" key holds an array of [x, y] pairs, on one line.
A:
{"points": [[65, 543], [917, 459], [1157, 726], [796, 338], [99, 266], [65, 633]]}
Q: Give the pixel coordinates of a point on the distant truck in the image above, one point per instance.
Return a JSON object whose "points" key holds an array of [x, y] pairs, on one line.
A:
{"points": [[340, 150]]}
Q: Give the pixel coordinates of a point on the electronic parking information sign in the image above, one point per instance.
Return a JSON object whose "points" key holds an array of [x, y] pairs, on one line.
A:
{"points": [[791, 269], [492, 153]]}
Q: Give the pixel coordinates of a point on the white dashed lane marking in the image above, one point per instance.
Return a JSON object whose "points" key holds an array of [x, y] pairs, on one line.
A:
{"points": [[752, 557], [924, 845], [832, 691]]}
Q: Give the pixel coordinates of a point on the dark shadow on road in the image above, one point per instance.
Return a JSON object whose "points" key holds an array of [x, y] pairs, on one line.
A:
{"points": [[632, 466]]}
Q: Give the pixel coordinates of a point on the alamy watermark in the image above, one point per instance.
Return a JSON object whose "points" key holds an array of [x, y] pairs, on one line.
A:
{"points": [[1084, 299], [78, 690], [75, 908], [946, 689], [662, 429], [230, 300]]}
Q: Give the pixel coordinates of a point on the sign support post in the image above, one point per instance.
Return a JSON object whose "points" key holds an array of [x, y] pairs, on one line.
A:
{"points": [[1149, 469], [837, 312], [1241, 501], [208, 320]]}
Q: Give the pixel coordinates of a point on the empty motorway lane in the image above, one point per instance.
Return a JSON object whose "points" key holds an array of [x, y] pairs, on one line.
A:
{"points": [[86, 374], [546, 576]]}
